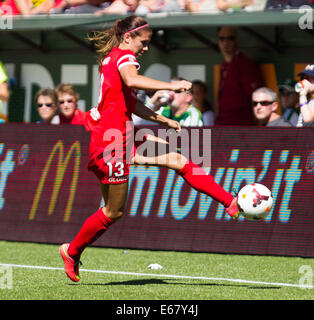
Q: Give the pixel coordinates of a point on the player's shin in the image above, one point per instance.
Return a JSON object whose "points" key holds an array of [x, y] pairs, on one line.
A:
{"points": [[200, 180], [92, 229]]}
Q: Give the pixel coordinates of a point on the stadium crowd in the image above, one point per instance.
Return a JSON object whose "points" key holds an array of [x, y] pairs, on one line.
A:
{"points": [[189, 108], [243, 98], [142, 7]]}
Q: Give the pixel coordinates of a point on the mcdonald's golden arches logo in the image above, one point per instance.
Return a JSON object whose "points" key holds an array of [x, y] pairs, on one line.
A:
{"points": [[61, 168]]}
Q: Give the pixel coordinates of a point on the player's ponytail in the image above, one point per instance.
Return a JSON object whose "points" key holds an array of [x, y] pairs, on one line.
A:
{"points": [[105, 41]]}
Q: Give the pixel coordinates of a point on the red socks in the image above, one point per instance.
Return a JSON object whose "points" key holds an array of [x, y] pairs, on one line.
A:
{"points": [[92, 229], [198, 179]]}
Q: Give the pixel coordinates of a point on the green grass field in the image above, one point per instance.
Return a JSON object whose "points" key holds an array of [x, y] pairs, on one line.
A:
{"points": [[124, 274]]}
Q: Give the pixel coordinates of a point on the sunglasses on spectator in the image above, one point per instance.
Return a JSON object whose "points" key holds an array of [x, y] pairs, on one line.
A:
{"points": [[68, 101], [39, 105], [230, 38], [183, 91], [262, 103]]}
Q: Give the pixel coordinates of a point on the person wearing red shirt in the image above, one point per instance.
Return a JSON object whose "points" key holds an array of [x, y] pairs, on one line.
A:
{"points": [[118, 49], [68, 98], [25, 7], [239, 77]]}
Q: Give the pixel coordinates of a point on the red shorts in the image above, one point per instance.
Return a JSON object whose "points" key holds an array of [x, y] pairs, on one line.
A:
{"points": [[108, 168], [110, 164]]}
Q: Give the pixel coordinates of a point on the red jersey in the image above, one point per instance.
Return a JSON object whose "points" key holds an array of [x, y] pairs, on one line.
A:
{"points": [[116, 101], [111, 147], [78, 118], [9, 3]]}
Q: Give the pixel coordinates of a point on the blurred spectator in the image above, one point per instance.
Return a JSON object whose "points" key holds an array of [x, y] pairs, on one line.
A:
{"points": [[18, 7], [289, 99], [68, 98], [306, 97], [235, 5], [120, 7], [286, 4], [42, 6], [201, 6], [216, 6], [177, 106], [29, 7], [46, 101], [4, 92], [141, 7], [148, 6], [80, 6], [264, 101], [239, 77], [199, 100]]}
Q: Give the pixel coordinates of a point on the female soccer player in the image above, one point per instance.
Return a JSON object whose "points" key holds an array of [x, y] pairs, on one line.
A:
{"points": [[118, 49]]}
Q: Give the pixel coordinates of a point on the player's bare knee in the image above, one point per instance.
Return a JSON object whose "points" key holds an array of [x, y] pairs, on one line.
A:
{"points": [[117, 215], [139, 160], [177, 160], [113, 214]]}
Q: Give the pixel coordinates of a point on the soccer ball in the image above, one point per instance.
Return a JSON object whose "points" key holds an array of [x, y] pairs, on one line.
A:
{"points": [[255, 201]]}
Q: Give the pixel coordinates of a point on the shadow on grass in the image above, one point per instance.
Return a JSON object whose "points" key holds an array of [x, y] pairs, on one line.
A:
{"points": [[143, 282]]}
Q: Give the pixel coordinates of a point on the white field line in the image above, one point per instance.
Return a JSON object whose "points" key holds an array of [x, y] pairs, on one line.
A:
{"points": [[158, 275]]}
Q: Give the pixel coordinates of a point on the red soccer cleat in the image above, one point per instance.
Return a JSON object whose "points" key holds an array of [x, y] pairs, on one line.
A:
{"points": [[71, 266], [233, 209]]}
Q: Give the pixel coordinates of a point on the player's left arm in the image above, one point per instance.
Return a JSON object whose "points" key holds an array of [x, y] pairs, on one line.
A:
{"points": [[143, 112]]}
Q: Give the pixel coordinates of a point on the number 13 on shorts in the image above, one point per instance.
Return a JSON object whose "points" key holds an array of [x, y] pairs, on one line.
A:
{"points": [[117, 170]]}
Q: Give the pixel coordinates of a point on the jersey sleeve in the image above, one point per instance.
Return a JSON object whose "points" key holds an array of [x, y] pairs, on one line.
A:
{"points": [[127, 59]]}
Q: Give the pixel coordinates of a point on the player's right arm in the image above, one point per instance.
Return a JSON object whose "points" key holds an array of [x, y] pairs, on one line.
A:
{"points": [[132, 79], [143, 112]]}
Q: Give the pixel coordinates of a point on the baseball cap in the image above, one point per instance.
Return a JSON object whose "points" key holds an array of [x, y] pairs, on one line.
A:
{"points": [[288, 85], [309, 70]]}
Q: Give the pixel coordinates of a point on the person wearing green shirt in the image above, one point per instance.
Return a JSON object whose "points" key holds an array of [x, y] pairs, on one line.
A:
{"points": [[191, 117], [177, 106], [4, 91]]}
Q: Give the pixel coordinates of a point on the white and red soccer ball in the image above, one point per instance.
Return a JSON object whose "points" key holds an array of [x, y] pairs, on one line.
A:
{"points": [[255, 201]]}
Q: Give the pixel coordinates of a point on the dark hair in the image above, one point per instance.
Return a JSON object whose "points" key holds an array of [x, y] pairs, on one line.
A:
{"points": [[105, 41], [201, 84], [47, 92], [221, 27]]}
